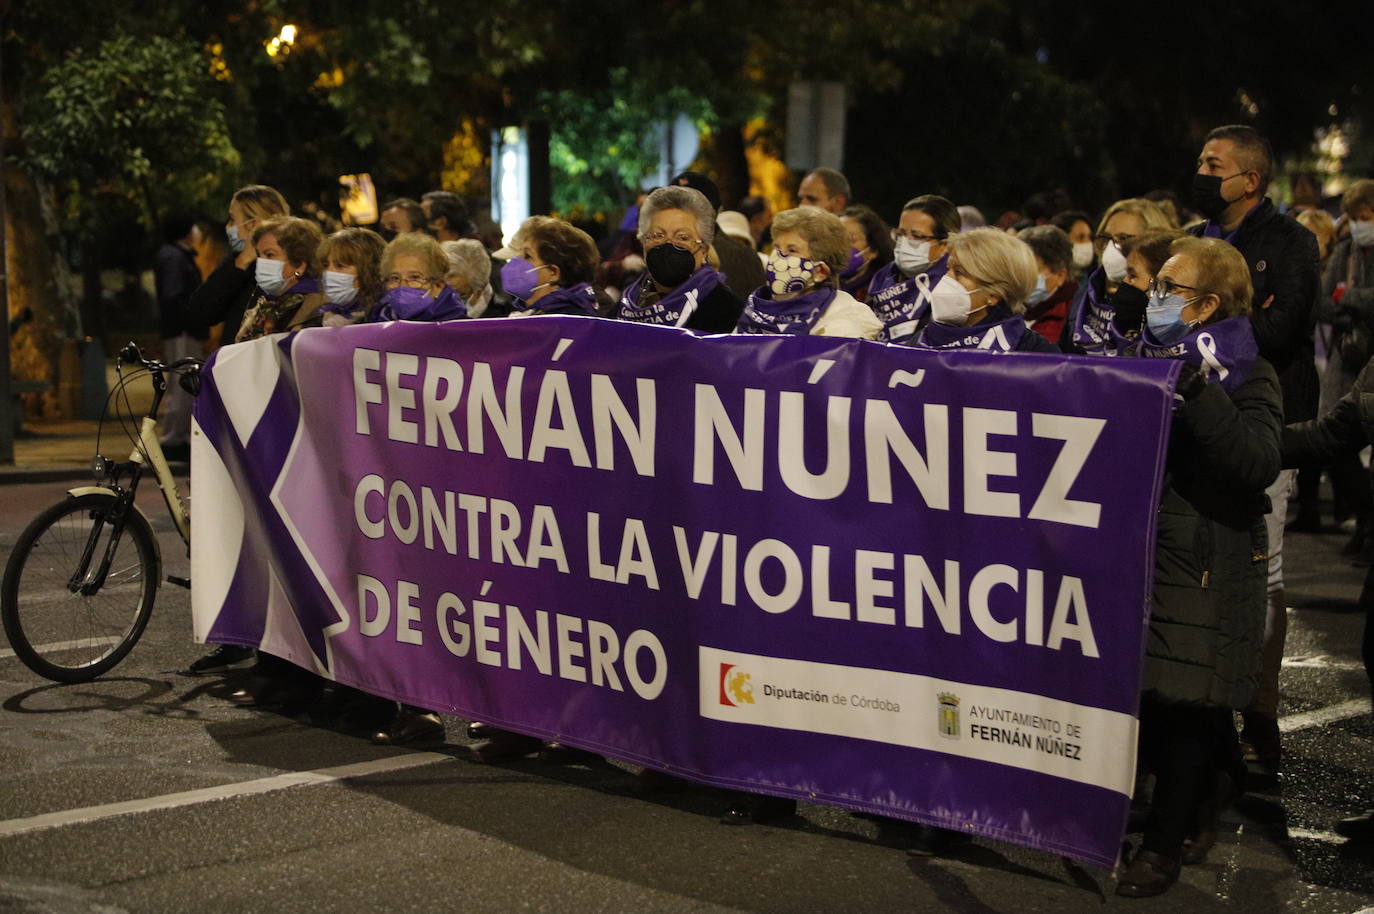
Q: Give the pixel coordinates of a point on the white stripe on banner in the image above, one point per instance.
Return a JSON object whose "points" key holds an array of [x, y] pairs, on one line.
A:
{"points": [[1076, 742]]}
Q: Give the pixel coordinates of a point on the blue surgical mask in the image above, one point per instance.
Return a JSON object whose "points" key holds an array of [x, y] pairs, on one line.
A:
{"points": [[269, 275], [1039, 293], [1164, 318], [235, 239], [340, 288]]}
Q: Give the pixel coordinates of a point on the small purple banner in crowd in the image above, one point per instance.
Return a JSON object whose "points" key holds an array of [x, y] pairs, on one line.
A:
{"points": [[907, 582]]}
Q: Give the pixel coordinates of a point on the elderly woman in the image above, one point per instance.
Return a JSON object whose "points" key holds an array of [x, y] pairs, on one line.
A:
{"points": [[870, 249], [469, 275], [680, 288], [286, 270], [551, 269], [979, 303], [352, 260], [802, 294], [1048, 304], [900, 291], [1203, 654], [413, 269], [1091, 311]]}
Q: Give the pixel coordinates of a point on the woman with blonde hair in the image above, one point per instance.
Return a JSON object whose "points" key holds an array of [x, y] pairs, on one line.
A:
{"points": [[979, 302], [1091, 315], [225, 295], [802, 294]]}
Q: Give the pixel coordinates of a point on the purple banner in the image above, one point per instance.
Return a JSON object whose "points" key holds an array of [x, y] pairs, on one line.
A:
{"points": [[908, 582]]}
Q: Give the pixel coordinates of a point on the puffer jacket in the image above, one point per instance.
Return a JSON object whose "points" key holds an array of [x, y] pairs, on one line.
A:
{"points": [[1207, 620], [1347, 427]]}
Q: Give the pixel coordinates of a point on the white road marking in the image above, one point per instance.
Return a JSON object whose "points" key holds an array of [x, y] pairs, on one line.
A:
{"points": [[1322, 662], [66, 645], [11, 827], [1328, 715], [1328, 837]]}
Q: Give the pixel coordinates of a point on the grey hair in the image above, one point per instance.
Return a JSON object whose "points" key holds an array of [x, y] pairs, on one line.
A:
{"points": [[471, 259], [675, 196], [999, 263]]}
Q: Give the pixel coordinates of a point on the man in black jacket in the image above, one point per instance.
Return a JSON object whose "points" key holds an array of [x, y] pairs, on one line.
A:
{"points": [[742, 268], [1233, 173]]}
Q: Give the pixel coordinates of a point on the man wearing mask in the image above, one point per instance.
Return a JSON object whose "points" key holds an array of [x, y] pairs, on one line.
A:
{"points": [[825, 188], [900, 292], [1233, 172], [400, 216]]}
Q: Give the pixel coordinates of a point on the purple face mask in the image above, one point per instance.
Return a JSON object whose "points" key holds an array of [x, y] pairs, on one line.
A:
{"points": [[407, 302], [856, 262], [520, 278]]}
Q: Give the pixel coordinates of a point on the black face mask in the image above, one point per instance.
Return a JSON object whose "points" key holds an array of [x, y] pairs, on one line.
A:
{"points": [[1207, 195], [670, 265], [1130, 305], [386, 233]]}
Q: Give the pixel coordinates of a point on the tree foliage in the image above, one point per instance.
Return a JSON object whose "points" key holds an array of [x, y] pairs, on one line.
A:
{"points": [[134, 117]]}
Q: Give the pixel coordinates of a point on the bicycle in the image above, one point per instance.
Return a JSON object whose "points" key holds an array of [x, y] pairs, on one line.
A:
{"points": [[80, 585]]}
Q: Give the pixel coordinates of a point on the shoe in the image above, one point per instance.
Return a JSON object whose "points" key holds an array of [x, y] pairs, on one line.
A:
{"points": [[1209, 811], [411, 727], [1359, 829], [479, 730], [559, 754], [263, 693], [756, 809], [504, 746], [1355, 544], [1148, 875], [221, 658], [931, 841], [1260, 741]]}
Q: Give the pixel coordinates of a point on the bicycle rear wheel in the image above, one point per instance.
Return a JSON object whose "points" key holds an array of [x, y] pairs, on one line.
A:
{"points": [[64, 627]]}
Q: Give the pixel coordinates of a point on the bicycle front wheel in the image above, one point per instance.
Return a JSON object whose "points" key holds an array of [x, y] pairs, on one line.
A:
{"points": [[64, 620]]}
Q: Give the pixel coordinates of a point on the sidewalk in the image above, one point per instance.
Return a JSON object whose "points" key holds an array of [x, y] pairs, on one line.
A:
{"points": [[57, 450]]}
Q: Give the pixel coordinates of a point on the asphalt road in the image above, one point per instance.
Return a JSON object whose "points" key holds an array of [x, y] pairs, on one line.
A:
{"points": [[234, 810]]}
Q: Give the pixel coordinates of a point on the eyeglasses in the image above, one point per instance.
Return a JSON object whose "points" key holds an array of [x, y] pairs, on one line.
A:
{"points": [[898, 234], [681, 239], [1167, 286], [414, 280], [1120, 238]]}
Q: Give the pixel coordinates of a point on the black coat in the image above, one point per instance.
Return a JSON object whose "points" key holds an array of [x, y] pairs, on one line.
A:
{"points": [[741, 265], [176, 276], [716, 313], [224, 297], [1346, 428], [1283, 263], [1211, 562]]}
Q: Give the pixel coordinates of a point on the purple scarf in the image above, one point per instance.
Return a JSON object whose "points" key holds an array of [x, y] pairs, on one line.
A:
{"points": [[793, 317], [902, 302], [445, 306], [579, 299], [1224, 352], [676, 306], [999, 331], [1094, 320]]}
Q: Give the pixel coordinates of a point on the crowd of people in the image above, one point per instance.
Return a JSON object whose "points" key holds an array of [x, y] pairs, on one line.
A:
{"points": [[1232, 291]]}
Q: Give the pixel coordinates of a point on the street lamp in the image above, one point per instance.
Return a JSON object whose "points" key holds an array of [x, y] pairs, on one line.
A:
{"points": [[282, 43]]}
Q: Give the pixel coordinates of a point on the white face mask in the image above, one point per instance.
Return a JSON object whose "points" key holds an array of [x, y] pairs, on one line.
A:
{"points": [[269, 275], [340, 288], [1362, 233], [912, 257], [1114, 262], [950, 302], [1082, 254]]}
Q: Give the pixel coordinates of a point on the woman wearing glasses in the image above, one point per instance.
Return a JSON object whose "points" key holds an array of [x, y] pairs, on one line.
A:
{"points": [[1203, 653], [413, 270], [1092, 312], [680, 288], [899, 294]]}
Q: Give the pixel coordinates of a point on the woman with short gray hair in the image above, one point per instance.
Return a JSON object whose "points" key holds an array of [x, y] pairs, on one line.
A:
{"points": [[979, 303], [469, 275], [680, 287]]}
